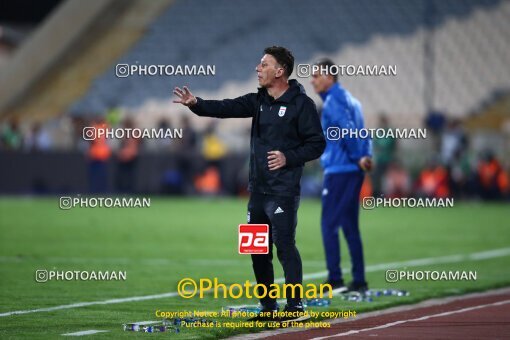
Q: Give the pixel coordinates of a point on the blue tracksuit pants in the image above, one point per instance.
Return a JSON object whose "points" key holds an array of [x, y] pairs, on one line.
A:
{"points": [[340, 209]]}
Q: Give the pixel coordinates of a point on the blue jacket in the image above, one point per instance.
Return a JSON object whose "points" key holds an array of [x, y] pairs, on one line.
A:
{"points": [[342, 110]]}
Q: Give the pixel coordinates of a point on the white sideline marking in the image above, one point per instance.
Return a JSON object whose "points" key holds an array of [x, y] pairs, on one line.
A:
{"points": [[426, 317], [422, 262], [150, 261], [123, 260], [145, 262], [91, 331], [92, 303], [373, 268]]}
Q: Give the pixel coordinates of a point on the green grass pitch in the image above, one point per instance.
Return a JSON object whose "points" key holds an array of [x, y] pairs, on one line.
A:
{"points": [[177, 238]]}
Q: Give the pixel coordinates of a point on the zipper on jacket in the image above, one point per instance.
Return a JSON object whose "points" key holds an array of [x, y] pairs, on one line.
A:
{"points": [[257, 120]]}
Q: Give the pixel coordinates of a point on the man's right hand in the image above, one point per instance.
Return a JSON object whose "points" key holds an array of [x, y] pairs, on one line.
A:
{"points": [[185, 96]]}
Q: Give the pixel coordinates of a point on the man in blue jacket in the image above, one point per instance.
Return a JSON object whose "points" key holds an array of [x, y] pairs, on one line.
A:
{"points": [[344, 160]]}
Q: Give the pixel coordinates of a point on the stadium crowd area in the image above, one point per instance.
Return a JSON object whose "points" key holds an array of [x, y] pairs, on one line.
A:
{"points": [[454, 50], [202, 158]]}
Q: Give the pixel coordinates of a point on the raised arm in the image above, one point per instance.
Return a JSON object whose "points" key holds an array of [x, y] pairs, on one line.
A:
{"points": [[240, 107]]}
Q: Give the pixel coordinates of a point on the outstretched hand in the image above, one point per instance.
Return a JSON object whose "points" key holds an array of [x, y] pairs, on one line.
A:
{"points": [[186, 98]]}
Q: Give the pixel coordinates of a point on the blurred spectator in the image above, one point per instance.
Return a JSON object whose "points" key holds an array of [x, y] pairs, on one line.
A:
{"points": [[189, 135], [433, 181], [213, 151], [396, 181], [127, 160], [434, 122], [187, 155], [492, 179], [11, 137], [37, 139], [209, 181], [461, 175], [79, 143], [163, 144], [384, 151], [98, 154], [453, 142]]}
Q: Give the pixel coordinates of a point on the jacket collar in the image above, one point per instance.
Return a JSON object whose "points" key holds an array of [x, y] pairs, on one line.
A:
{"points": [[295, 88], [334, 88]]}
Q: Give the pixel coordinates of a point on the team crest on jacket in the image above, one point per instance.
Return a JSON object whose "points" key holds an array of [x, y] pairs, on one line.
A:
{"points": [[281, 113]]}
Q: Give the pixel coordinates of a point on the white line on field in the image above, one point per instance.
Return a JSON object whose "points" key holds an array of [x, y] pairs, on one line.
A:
{"points": [[426, 317], [372, 268], [120, 260], [90, 331], [92, 303], [151, 262], [422, 262]]}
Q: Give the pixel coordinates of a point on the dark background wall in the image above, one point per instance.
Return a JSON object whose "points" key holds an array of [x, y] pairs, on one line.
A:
{"points": [[67, 172]]}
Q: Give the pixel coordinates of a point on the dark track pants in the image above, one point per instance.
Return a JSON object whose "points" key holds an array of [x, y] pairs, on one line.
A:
{"points": [[340, 209], [280, 213]]}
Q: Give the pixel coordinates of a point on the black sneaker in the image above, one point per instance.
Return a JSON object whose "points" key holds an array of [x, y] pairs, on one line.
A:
{"points": [[337, 285], [360, 287], [266, 314], [294, 313]]}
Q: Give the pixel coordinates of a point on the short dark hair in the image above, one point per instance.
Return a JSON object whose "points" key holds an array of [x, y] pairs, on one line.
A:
{"points": [[327, 63], [283, 57]]}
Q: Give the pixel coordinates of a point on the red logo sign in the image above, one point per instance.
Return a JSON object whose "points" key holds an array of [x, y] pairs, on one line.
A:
{"points": [[253, 239]]}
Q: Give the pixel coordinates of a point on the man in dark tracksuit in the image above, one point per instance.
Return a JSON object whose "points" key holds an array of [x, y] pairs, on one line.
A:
{"points": [[286, 132]]}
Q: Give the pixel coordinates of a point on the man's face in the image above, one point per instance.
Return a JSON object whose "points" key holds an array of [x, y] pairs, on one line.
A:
{"points": [[268, 70], [321, 82]]}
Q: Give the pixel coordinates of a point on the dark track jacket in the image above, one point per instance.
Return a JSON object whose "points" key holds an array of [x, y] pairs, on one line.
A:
{"points": [[289, 124]]}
